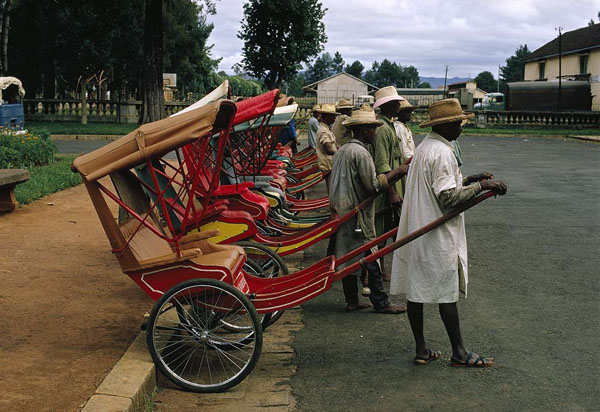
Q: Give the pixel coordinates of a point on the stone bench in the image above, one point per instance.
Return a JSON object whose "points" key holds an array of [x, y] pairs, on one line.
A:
{"points": [[9, 178]]}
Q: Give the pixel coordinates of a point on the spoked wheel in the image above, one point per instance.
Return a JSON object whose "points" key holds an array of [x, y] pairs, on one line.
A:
{"points": [[190, 340], [264, 262]]}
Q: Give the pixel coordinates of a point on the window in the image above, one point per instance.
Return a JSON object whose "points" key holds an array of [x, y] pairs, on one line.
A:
{"points": [[583, 64], [542, 68]]}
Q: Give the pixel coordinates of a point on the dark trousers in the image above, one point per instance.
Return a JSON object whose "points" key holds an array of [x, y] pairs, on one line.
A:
{"points": [[378, 296]]}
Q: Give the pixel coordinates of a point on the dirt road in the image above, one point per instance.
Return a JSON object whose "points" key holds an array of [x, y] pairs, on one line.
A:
{"points": [[68, 312]]}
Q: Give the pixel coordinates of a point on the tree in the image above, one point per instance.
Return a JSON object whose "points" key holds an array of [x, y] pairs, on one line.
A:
{"points": [[389, 73], [280, 35], [5, 11], [424, 85], [485, 81], [153, 105], [337, 65], [514, 70], [186, 52], [355, 69], [321, 68]]}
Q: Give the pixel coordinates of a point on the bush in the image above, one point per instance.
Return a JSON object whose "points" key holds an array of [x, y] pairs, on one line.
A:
{"points": [[24, 150]]}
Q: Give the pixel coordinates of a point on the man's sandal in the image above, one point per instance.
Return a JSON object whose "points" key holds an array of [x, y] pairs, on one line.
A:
{"points": [[424, 360], [473, 360]]}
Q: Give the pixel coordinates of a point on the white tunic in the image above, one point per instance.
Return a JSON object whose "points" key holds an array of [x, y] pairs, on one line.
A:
{"points": [[406, 140], [430, 268]]}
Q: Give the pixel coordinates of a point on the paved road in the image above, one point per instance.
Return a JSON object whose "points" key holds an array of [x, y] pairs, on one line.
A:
{"points": [[533, 302]]}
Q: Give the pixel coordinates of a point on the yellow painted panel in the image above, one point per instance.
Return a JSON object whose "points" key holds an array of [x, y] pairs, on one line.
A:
{"points": [[298, 245]]}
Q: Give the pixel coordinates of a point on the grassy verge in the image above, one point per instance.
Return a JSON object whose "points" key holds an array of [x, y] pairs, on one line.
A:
{"points": [[78, 128], [48, 179]]}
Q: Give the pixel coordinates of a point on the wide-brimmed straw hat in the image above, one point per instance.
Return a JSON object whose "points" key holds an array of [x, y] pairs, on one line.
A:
{"points": [[386, 94], [316, 107], [327, 109], [285, 100], [362, 117], [405, 105], [445, 111], [344, 104]]}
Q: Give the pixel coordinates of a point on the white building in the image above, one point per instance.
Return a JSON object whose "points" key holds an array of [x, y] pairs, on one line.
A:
{"points": [[340, 86]]}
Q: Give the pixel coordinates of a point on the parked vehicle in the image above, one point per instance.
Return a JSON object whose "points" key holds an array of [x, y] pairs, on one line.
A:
{"points": [[544, 96], [11, 106], [491, 101]]}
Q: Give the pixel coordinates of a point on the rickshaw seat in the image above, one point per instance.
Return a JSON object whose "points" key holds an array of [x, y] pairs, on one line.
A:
{"points": [[151, 250]]}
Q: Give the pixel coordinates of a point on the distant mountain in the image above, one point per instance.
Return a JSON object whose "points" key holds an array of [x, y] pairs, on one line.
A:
{"points": [[439, 81]]}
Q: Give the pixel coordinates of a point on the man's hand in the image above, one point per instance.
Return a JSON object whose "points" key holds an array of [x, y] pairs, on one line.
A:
{"points": [[395, 198], [497, 186], [402, 169], [480, 177]]}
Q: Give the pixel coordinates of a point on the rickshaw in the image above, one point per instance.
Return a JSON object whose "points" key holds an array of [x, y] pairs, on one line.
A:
{"points": [[204, 332]]}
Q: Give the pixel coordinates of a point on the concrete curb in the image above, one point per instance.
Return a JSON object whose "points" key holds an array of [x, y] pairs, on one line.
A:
{"points": [[129, 384]]}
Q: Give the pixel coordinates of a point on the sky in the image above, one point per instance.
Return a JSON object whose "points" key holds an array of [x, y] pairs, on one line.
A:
{"points": [[469, 36]]}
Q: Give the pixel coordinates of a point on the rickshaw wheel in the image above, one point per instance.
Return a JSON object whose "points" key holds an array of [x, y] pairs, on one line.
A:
{"points": [[271, 265], [189, 342]]}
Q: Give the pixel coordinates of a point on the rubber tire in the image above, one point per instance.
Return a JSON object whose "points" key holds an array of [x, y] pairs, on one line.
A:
{"points": [[257, 333]]}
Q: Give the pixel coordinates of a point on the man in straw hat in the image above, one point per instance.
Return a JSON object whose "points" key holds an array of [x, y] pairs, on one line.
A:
{"points": [[341, 132], [433, 268], [353, 180], [313, 126], [388, 155], [326, 144]]}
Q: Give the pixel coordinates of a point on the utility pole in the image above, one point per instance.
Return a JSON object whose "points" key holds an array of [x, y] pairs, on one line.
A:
{"points": [[498, 84], [445, 78], [559, 67]]}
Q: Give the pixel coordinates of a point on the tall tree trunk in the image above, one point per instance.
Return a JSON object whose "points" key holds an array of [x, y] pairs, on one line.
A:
{"points": [[3, 10], [152, 91], [5, 32]]}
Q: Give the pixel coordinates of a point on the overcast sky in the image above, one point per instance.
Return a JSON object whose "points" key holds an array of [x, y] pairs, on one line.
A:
{"points": [[467, 35]]}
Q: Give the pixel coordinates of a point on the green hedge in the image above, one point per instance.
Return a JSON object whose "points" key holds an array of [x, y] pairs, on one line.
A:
{"points": [[25, 150]]}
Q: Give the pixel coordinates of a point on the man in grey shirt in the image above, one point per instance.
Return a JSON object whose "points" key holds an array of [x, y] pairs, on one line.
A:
{"points": [[353, 180], [313, 126]]}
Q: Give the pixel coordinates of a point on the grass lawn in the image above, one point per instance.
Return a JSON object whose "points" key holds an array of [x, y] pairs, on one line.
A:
{"points": [[78, 128], [48, 179]]}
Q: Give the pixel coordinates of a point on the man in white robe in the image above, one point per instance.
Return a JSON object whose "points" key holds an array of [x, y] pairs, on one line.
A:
{"points": [[433, 268]]}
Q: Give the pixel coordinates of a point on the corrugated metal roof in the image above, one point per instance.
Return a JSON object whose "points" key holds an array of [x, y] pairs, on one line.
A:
{"points": [[572, 42]]}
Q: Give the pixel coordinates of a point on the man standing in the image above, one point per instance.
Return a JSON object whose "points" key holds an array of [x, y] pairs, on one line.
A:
{"points": [[326, 145], [433, 268], [353, 180], [407, 143], [341, 132], [313, 126], [388, 155]]}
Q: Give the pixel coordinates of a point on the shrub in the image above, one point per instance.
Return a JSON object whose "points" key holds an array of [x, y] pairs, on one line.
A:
{"points": [[24, 150]]}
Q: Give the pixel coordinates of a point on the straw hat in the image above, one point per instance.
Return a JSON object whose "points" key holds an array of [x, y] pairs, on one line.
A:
{"points": [[386, 94], [327, 109], [285, 100], [344, 104], [445, 111], [405, 105], [363, 116], [316, 107]]}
